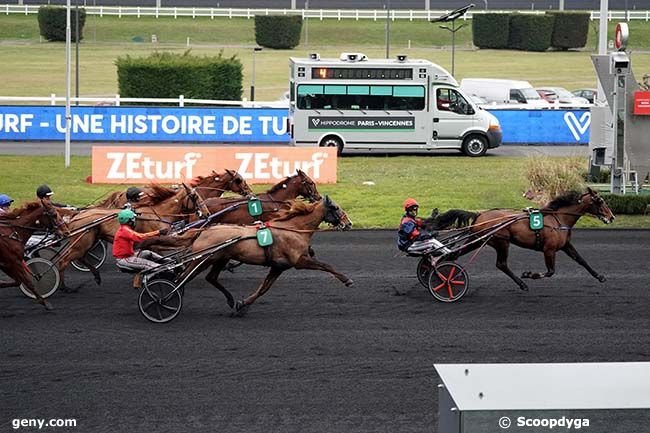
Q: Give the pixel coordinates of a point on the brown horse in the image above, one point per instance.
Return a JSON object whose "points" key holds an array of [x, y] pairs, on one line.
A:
{"points": [[15, 229], [291, 232], [213, 185], [275, 199], [172, 208], [559, 217]]}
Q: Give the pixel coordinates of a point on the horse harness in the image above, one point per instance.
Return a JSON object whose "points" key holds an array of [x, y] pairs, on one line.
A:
{"points": [[539, 240]]}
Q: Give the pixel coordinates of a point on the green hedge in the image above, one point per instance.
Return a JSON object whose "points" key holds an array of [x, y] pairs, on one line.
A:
{"points": [[627, 204], [168, 75], [570, 30], [278, 31], [52, 23], [490, 30], [530, 32]]}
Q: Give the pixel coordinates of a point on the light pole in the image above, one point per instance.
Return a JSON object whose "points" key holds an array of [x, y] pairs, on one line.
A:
{"points": [[452, 17], [67, 84], [256, 49], [486, 4], [76, 40], [306, 22], [387, 28]]}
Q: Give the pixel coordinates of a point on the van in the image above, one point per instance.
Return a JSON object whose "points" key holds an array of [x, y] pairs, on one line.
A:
{"points": [[358, 104], [499, 91]]}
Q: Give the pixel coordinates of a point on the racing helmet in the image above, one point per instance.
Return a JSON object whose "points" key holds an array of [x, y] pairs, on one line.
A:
{"points": [[5, 200], [43, 191], [134, 194], [409, 203], [126, 216]]}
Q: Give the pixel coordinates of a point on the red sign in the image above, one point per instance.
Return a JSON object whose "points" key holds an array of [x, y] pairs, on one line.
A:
{"points": [[622, 35], [176, 164], [642, 103]]}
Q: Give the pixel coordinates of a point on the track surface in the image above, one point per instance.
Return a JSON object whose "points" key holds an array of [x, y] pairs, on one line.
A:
{"points": [[312, 355]]}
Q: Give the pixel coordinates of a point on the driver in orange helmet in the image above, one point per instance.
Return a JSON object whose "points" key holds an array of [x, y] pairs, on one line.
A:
{"points": [[409, 227]]}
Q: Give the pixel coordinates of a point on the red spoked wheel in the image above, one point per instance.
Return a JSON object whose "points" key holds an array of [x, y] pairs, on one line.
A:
{"points": [[448, 282]]}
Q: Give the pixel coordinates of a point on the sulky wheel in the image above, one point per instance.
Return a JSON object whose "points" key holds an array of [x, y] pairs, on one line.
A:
{"points": [[160, 301], [448, 282], [424, 267], [96, 256], [45, 277]]}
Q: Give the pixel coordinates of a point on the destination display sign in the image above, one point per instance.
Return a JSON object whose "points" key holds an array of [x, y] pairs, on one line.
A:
{"points": [[365, 123], [362, 73]]}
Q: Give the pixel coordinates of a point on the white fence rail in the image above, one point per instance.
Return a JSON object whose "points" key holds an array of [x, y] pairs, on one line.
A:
{"points": [[117, 100], [321, 14]]}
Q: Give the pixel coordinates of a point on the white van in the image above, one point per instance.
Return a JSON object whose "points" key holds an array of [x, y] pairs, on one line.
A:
{"points": [[357, 104], [502, 91]]}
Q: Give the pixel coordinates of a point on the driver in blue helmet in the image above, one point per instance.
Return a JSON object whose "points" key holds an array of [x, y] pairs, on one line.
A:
{"points": [[5, 203]]}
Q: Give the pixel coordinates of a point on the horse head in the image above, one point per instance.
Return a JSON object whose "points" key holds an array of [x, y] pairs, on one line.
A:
{"points": [[235, 182], [307, 187], [595, 205], [197, 201], [335, 216]]}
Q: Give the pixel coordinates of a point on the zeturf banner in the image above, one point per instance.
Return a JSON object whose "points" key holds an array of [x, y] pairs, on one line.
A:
{"points": [[255, 125], [145, 124], [177, 164]]}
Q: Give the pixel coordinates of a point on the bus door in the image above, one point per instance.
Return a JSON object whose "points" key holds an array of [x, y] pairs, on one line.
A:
{"points": [[452, 116]]}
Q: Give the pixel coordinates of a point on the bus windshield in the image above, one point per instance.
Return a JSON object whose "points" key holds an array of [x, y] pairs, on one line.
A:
{"points": [[360, 97]]}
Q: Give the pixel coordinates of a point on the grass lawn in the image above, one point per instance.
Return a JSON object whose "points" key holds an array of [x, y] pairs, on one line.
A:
{"points": [[444, 182], [31, 68]]}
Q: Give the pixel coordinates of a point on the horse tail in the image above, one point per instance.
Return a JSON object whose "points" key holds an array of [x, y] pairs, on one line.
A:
{"points": [[456, 218]]}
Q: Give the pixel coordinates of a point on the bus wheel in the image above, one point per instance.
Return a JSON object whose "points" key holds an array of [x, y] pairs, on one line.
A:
{"points": [[332, 141], [475, 145]]}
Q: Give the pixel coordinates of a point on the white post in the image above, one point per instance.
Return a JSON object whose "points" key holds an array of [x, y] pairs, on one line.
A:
{"points": [[602, 32], [293, 4], [68, 37], [561, 5]]}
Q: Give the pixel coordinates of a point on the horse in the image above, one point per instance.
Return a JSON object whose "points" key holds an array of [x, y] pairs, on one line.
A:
{"points": [[453, 218], [559, 217], [213, 185], [15, 229], [291, 232], [165, 212], [278, 197]]}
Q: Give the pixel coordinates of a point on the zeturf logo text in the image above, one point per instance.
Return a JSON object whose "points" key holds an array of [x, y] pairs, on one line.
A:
{"points": [[178, 164]]}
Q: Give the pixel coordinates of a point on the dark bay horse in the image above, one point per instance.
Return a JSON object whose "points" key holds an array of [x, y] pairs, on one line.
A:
{"points": [[278, 197], [292, 233], [15, 229], [172, 208], [213, 185], [559, 215]]}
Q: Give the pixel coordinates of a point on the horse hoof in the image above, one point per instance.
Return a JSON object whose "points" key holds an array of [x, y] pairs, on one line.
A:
{"points": [[240, 309], [523, 287], [527, 274], [601, 278], [349, 283], [47, 305], [98, 280]]}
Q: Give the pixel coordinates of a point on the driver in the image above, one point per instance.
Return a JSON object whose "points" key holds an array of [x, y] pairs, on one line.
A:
{"points": [[409, 227], [126, 237], [44, 192], [133, 195], [5, 203]]}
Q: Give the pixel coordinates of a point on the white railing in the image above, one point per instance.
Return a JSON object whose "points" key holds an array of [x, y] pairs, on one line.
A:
{"points": [[117, 100], [321, 14]]}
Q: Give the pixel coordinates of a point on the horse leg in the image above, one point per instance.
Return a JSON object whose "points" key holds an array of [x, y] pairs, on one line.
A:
{"points": [[570, 250], [501, 246], [310, 263], [549, 259], [242, 306], [25, 275], [93, 270], [213, 278]]}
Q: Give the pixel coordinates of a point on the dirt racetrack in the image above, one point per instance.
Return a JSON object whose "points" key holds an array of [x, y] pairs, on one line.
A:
{"points": [[312, 355]]}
